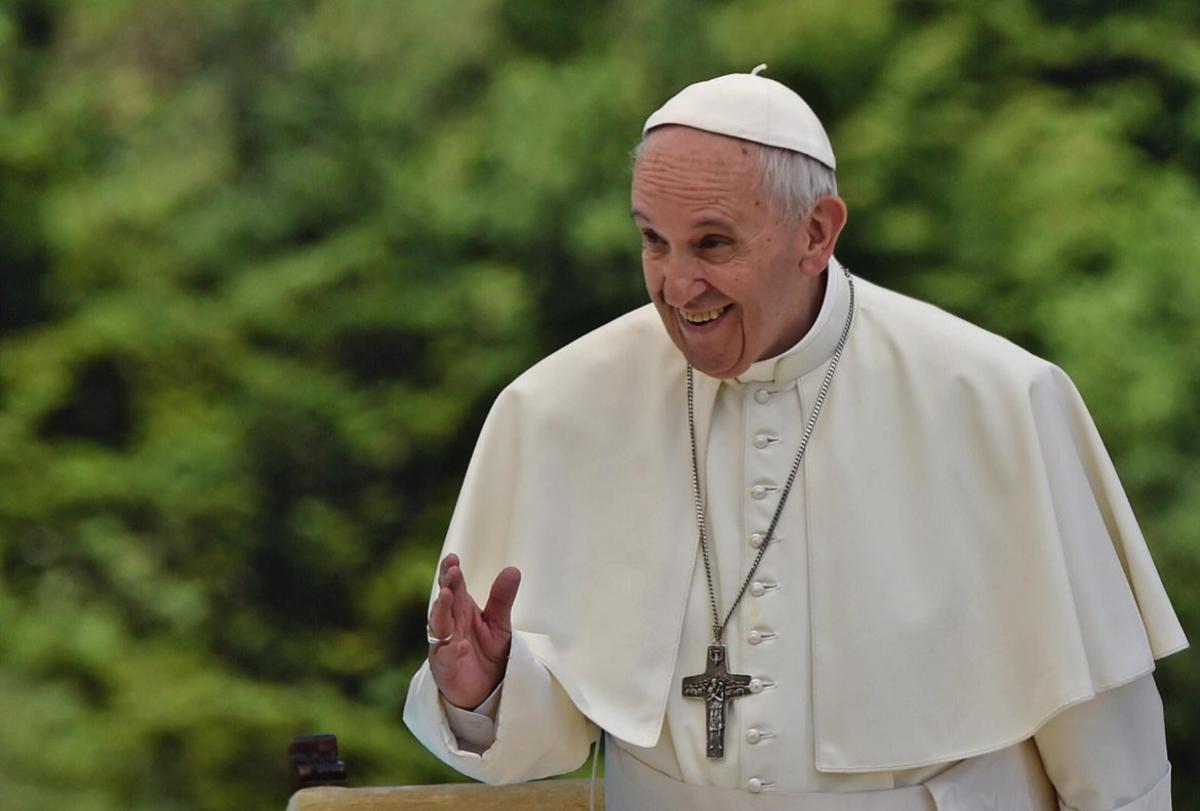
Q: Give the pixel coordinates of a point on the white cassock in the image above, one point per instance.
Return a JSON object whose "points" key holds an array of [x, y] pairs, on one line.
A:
{"points": [[958, 604]]}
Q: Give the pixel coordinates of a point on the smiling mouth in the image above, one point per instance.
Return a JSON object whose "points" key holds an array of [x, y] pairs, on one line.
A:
{"points": [[705, 316]]}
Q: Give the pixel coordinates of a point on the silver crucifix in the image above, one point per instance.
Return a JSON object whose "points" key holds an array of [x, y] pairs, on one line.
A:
{"points": [[716, 685]]}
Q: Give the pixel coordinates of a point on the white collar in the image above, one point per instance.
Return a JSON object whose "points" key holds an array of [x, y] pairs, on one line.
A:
{"points": [[817, 345]]}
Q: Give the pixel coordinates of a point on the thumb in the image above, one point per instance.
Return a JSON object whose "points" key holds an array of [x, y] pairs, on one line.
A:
{"points": [[498, 612]]}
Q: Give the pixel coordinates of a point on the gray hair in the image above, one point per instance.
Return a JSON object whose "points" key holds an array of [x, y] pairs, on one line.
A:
{"points": [[793, 181]]}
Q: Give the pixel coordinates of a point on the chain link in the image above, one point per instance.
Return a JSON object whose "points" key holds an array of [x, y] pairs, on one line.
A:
{"points": [[718, 624]]}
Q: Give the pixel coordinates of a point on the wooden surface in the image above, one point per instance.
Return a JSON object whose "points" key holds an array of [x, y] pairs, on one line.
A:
{"points": [[555, 794]]}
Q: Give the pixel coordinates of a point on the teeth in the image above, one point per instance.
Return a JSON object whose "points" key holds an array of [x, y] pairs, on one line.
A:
{"points": [[700, 318]]}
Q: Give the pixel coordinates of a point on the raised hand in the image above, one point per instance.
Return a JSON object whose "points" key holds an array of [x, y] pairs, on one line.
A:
{"points": [[471, 662]]}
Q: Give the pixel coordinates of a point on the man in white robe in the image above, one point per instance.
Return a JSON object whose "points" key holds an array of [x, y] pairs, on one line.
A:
{"points": [[956, 606]]}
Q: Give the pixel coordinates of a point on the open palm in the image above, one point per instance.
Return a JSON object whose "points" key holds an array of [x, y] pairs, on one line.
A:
{"points": [[468, 666]]}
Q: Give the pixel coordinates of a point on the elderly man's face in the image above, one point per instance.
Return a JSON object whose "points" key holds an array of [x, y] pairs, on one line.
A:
{"points": [[733, 280]]}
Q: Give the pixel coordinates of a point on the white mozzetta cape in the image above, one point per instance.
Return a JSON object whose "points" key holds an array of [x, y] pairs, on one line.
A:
{"points": [[975, 566]]}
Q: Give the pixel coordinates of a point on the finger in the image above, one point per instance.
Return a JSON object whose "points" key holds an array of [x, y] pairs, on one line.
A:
{"points": [[464, 608], [441, 620], [448, 561], [498, 612]]}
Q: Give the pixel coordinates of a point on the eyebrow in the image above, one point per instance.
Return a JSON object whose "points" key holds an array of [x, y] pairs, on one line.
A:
{"points": [[713, 222], [707, 222]]}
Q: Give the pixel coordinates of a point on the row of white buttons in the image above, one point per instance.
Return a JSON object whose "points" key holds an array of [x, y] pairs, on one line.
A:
{"points": [[758, 492]]}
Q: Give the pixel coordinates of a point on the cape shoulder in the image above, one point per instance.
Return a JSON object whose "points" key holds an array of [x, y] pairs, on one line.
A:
{"points": [[620, 360], [580, 479], [604, 370], [959, 490], [942, 349]]}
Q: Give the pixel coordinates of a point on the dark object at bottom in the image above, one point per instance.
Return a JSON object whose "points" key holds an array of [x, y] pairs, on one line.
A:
{"points": [[315, 761]]}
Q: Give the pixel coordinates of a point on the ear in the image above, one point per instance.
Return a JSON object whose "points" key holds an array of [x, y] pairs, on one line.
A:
{"points": [[822, 227]]}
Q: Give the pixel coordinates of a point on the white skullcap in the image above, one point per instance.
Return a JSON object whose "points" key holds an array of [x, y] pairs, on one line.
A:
{"points": [[750, 107]]}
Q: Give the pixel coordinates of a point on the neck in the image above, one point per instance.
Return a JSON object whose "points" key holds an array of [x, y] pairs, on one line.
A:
{"points": [[808, 311]]}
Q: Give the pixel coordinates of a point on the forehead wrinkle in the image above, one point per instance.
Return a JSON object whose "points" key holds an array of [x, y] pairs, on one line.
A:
{"points": [[705, 200], [697, 210], [686, 188], [710, 155], [700, 183], [685, 176]]}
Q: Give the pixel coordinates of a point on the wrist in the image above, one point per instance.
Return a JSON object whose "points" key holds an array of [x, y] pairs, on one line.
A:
{"points": [[470, 700], [469, 692], [485, 706]]}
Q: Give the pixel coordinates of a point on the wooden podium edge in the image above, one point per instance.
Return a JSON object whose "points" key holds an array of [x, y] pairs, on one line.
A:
{"points": [[564, 794]]}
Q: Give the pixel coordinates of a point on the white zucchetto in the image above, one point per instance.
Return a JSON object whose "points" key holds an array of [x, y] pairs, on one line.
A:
{"points": [[750, 107]]}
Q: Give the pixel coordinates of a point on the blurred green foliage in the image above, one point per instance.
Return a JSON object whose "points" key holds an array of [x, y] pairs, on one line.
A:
{"points": [[266, 262]]}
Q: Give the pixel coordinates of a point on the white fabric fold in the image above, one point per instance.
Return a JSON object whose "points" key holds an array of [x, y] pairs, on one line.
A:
{"points": [[538, 731], [969, 535], [1157, 798], [1109, 752]]}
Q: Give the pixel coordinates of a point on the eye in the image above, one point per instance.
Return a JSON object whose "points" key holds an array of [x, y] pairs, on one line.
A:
{"points": [[713, 241], [650, 237]]}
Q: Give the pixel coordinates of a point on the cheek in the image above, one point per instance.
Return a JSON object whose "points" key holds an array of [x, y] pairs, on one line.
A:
{"points": [[739, 288], [759, 299], [651, 277]]}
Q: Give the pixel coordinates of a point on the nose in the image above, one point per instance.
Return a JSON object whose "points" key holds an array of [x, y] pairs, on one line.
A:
{"points": [[683, 280]]}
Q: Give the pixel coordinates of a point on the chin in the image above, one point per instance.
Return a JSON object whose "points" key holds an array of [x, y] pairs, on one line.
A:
{"points": [[719, 368], [723, 373]]}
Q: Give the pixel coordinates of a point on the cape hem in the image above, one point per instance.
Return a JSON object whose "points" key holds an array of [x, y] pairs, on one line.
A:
{"points": [[935, 760]]}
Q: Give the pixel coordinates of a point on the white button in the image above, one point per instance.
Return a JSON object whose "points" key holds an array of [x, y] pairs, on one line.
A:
{"points": [[762, 395], [761, 441], [759, 492], [756, 540], [754, 785], [757, 589], [753, 735], [754, 637], [756, 686]]}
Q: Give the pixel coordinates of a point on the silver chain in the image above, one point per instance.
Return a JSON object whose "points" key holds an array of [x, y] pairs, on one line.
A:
{"points": [[718, 624]]}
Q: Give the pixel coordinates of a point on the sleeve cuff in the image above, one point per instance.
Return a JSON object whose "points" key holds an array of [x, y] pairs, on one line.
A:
{"points": [[1157, 798], [474, 729]]}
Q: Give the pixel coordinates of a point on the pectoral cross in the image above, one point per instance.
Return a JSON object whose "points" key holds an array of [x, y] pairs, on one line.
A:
{"points": [[716, 685]]}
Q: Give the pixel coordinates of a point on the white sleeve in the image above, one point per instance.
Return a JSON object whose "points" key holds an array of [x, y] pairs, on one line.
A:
{"points": [[1110, 753], [475, 729], [538, 731]]}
